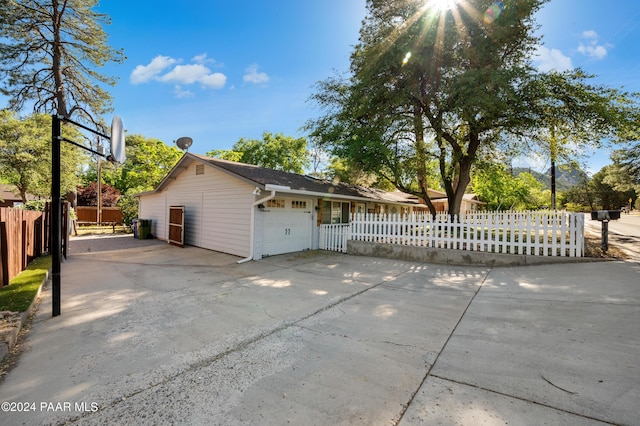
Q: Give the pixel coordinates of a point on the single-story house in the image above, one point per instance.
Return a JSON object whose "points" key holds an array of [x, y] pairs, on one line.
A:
{"points": [[470, 203], [10, 197], [251, 211]]}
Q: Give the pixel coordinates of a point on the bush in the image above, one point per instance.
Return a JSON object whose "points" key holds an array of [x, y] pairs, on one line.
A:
{"points": [[36, 205], [129, 207]]}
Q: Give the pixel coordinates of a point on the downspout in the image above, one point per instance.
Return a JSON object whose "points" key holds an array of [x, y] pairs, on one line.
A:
{"points": [[253, 221]]}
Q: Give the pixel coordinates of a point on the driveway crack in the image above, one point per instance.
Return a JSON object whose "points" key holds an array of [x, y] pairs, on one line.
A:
{"points": [[424, 379]]}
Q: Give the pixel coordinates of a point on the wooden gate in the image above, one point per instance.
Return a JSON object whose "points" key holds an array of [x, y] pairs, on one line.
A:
{"points": [[176, 225]]}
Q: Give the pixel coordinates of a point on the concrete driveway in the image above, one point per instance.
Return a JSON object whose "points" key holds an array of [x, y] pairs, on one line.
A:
{"points": [[155, 334]]}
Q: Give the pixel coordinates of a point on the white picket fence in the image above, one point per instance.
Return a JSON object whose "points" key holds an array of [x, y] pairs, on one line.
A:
{"points": [[539, 233]]}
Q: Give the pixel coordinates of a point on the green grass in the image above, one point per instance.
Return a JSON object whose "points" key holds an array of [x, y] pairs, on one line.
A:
{"points": [[22, 289]]}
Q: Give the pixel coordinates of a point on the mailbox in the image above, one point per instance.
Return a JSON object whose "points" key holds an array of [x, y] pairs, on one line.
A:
{"points": [[603, 215]]}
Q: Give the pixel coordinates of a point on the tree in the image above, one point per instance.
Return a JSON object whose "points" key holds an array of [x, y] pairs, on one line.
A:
{"points": [[25, 155], [148, 161], [276, 152], [625, 173], [88, 195], [450, 87], [574, 113], [494, 185], [606, 196], [50, 52]]}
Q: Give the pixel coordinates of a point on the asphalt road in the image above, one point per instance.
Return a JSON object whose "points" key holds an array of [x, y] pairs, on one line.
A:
{"points": [[623, 233]]}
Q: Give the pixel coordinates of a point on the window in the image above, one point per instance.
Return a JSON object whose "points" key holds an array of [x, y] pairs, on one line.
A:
{"points": [[298, 204], [335, 212], [276, 203], [199, 169]]}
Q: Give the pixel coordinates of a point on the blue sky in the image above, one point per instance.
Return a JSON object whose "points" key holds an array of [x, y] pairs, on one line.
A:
{"points": [[217, 71]]}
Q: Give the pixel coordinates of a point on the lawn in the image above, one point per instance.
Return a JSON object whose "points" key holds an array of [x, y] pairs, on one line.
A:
{"points": [[20, 292]]}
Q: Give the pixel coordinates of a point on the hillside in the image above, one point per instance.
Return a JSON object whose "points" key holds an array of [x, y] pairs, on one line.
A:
{"points": [[566, 176]]}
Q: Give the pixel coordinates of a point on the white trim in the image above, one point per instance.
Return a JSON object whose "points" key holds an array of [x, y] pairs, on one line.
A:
{"points": [[253, 221]]}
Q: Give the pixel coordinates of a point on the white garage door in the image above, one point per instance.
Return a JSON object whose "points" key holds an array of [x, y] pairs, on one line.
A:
{"points": [[287, 226]]}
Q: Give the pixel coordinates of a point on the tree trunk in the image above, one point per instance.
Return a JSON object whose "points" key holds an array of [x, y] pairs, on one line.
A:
{"points": [[56, 64], [418, 127]]}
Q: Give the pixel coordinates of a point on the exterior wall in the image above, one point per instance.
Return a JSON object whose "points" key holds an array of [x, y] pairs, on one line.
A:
{"points": [[154, 207], [217, 209]]}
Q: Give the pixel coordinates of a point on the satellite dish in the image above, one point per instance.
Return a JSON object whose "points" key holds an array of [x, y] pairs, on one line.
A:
{"points": [[117, 140], [184, 143]]}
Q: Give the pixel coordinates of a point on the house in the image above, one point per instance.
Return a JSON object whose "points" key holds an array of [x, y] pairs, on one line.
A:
{"points": [[10, 197], [250, 211], [470, 203]]}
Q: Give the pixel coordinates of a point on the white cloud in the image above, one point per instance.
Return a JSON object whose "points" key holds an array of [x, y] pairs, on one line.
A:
{"points": [[216, 80], [251, 75], [202, 59], [179, 74], [181, 94], [195, 73], [551, 59], [144, 73], [590, 47]]}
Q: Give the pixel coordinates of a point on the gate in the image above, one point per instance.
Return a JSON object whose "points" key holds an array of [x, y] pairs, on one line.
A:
{"points": [[176, 225]]}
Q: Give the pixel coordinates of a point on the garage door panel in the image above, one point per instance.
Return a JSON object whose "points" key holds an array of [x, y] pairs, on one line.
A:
{"points": [[286, 230]]}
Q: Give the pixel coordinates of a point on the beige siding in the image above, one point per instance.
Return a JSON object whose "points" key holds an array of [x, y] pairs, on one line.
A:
{"points": [[217, 209], [154, 207]]}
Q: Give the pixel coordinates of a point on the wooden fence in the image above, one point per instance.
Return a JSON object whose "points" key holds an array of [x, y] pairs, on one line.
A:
{"points": [[89, 214], [25, 235], [528, 233]]}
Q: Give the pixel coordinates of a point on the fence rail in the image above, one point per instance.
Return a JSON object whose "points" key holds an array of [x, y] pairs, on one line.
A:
{"points": [[527, 233]]}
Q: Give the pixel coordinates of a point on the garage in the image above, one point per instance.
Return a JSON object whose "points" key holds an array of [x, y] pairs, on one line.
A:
{"points": [[250, 211], [287, 226]]}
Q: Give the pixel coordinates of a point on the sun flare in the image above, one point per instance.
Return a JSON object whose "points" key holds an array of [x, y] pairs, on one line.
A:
{"points": [[441, 5]]}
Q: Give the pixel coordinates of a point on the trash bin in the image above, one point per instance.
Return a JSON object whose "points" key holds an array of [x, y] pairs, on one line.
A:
{"points": [[144, 229], [134, 226]]}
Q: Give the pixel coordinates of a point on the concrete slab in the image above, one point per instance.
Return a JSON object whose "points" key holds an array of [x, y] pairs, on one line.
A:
{"points": [[357, 362], [602, 282], [524, 336], [443, 402]]}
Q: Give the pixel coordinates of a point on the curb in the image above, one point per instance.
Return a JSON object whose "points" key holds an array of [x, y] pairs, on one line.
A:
{"points": [[456, 257], [9, 338]]}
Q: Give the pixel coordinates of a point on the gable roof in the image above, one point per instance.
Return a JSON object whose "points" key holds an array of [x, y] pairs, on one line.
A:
{"points": [[300, 184], [9, 194]]}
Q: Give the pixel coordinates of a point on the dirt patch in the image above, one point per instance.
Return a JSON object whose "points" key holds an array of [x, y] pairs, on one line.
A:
{"points": [[593, 248]]}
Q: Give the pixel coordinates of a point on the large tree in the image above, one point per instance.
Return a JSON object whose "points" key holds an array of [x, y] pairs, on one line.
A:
{"points": [[50, 53], [606, 195], [276, 152], [446, 85], [500, 190], [148, 161], [25, 155], [625, 173]]}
